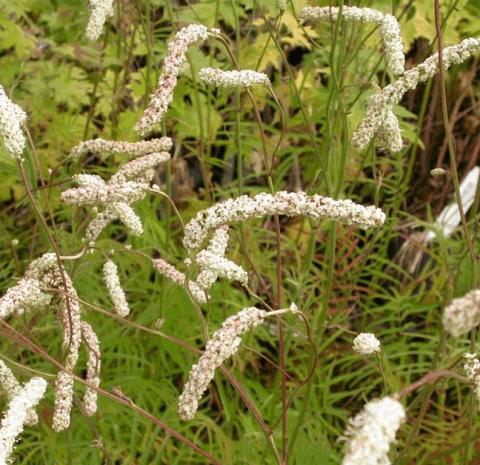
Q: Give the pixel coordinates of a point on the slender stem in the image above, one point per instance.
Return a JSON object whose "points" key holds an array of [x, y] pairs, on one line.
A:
{"points": [[110, 395], [52, 243], [430, 377], [456, 184]]}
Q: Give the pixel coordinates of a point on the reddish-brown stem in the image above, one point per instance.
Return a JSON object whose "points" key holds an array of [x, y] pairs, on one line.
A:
{"points": [[232, 380], [456, 184], [52, 243], [111, 395], [427, 379]]}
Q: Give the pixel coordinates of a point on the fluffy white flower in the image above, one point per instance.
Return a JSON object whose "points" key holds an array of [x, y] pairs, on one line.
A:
{"points": [[176, 57], [115, 211], [128, 217], [113, 147], [389, 134], [234, 78], [140, 169], [382, 102], [389, 29], [214, 266], [393, 44], [371, 432], [93, 368], [63, 401], [223, 344], [12, 387], [98, 224], [11, 119], [282, 5], [17, 414], [352, 14], [66, 304], [169, 271], [26, 294], [282, 203], [112, 281], [463, 314], [114, 197], [366, 344], [93, 191], [472, 370], [100, 11]]}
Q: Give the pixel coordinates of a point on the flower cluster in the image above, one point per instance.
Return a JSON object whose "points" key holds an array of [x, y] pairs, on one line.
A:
{"points": [[463, 314], [115, 211], [93, 190], [63, 401], [282, 5], [281, 203], [366, 344], [19, 410], [125, 187], [371, 432], [213, 264], [26, 294], [112, 281], [11, 119], [170, 272], [140, 169], [389, 29], [234, 78], [12, 387], [93, 368], [176, 57], [114, 147], [389, 134], [52, 286], [351, 14], [100, 11], [223, 344], [65, 301], [393, 44], [380, 106], [472, 370]]}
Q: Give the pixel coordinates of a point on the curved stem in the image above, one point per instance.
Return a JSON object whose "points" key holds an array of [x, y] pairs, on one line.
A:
{"points": [[113, 395]]}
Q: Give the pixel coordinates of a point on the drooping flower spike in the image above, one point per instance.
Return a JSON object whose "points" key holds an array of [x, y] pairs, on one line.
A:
{"points": [[12, 387], [214, 265], [223, 344], [18, 412], [282, 203], [26, 294], [114, 197], [463, 314], [100, 11], [115, 147], [175, 58], [66, 303], [11, 119], [170, 272], [370, 434], [389, 29], [379, 112], [93, 368], [112, 281], [234, 78]]}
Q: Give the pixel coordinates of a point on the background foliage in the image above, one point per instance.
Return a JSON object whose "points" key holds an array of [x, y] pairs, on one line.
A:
{"points": [[344, 279]]}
